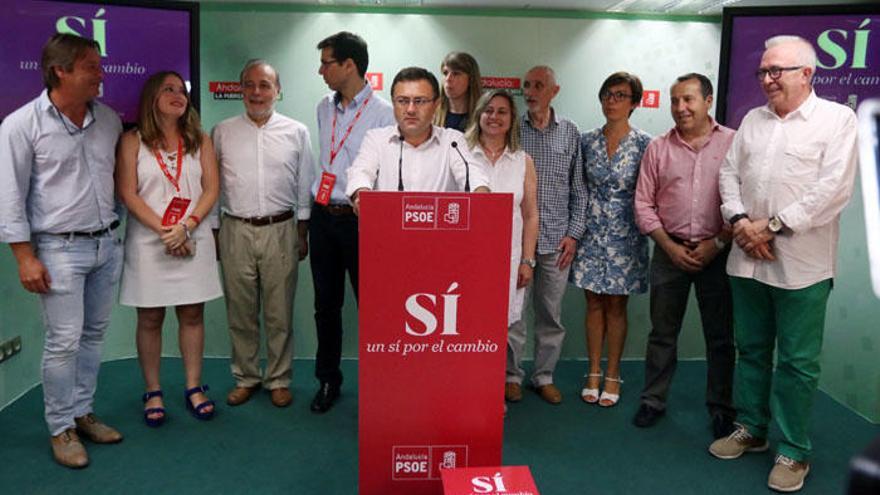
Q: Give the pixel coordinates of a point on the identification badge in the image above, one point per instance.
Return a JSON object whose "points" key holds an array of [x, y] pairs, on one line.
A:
{"points": [[175, 211], [325, 188]]}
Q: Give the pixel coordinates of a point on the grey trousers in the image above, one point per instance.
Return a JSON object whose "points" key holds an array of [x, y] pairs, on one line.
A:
{"points": [[670, 287], [260, 270], [545, 292]]}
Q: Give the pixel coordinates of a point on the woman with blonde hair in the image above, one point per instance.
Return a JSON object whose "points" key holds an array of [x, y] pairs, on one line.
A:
{"points": [[493, 137], [459, 92], [166, 175]]}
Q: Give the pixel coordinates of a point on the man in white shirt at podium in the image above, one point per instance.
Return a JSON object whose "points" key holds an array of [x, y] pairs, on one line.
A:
{"points": [[414, 155]]}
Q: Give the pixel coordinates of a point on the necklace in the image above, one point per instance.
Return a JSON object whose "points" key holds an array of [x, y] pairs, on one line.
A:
{"points": [[494, 154]]}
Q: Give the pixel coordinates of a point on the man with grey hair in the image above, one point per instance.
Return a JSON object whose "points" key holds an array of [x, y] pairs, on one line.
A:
{"points": [[787, 176], [58, 214], [266, 169], [553, 143]]}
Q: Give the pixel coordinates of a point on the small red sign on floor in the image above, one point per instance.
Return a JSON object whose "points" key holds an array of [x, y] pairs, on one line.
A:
{"points": [[489, 481]]}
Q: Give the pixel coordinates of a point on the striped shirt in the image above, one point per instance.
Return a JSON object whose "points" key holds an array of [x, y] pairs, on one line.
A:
{"points": [[562, 191]]}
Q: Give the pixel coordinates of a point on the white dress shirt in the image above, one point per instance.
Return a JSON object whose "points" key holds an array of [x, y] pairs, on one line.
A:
{"points": [[800, 168], [55, 177], [431, 166], [264, 170]]}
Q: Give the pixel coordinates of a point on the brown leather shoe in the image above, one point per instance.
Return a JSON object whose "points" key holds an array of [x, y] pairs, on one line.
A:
{"points": [[512, 392], [550, 393], [240, 395], [92, 428], [281, 397], [68, 450]]}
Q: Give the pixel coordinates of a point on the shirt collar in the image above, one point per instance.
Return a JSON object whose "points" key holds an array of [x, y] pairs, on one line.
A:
{"points": [[396, 137], [254, 124], [674, 132], [554, 120], [804, 111], [362, 95], [44, 104]]}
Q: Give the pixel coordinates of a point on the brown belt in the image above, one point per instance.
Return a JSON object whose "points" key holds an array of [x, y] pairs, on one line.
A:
{"points": [[338, 210], [261, 221]]}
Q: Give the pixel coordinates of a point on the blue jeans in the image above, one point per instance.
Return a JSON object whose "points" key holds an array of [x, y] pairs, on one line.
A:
{"points": [[76, 311]]}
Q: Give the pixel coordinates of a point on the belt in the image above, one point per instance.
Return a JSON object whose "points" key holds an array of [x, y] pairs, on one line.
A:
{"points": [[94, 233], [338, 209], [261, 221]]}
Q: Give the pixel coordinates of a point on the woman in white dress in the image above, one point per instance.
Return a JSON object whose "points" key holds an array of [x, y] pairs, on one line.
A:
{"points": [[494, 141], [166, 175]]}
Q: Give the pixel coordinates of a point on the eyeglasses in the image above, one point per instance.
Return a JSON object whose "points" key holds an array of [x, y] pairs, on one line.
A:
{"points": [[405, 102], [616, 96], [325, 63], [774, 72]]}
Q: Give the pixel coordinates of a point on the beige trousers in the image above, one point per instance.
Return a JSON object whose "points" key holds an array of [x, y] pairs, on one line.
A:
{"points": [[259, 269]]}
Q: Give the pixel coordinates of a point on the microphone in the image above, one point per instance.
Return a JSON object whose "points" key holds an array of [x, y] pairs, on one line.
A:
{"points": [[467, 168], [400, 165]]}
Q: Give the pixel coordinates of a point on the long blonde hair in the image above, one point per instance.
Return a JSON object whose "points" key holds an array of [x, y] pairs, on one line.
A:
{"points": [[472, 135], [148, 122]]}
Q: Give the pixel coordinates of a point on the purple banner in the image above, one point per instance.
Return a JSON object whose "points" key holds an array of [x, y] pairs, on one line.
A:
{"points": [[135, 42], [847, 45]]}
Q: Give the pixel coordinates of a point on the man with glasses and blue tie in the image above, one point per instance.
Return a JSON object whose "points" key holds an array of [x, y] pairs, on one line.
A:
{"points": [[414, 155], [57, 156], [786, 177]]}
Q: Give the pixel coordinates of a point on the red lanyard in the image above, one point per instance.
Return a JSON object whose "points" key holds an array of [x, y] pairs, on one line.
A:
{"points": [[335, 152], [175, 181]]}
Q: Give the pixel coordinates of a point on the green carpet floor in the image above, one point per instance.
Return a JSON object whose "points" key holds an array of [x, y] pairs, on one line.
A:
{"points": [[572, 448]]}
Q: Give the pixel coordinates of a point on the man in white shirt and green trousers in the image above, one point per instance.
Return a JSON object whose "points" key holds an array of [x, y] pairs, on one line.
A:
{"points": [[787, 176]]}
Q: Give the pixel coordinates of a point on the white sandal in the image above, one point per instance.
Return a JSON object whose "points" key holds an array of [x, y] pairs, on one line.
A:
{"points": [[608, 399], [590, 395]]}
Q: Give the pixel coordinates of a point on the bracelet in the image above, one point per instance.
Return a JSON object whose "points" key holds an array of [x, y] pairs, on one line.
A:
{"points": [[196, 219]]}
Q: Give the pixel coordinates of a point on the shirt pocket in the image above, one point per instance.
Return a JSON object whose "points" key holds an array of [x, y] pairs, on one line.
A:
{"points": [[801, 163]]}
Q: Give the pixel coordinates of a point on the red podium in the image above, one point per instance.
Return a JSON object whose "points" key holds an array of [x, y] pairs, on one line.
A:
{"points": [[434, 274]]}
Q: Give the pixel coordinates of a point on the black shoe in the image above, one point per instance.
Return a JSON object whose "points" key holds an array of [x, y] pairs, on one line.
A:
{"points": [[722, 426], [647, 416], [325, 398]]}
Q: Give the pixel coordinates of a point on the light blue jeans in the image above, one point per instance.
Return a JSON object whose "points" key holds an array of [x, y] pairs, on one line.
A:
{"points": [[76, 311]]}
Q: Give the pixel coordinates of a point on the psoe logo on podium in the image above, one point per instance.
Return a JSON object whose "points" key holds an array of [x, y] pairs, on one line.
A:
{"points": [[425, 213], [425, 462]]}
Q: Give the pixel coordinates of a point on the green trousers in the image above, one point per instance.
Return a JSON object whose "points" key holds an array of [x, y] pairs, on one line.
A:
{"points": [[792, 322]]}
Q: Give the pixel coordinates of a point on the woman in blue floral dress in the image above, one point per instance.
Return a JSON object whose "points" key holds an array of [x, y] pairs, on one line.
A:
{"points": [[612, 257]]}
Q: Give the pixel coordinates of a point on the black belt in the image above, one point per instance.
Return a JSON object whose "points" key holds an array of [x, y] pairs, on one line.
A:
{"points": [[94, 233], [338, 209], [261, 221]]}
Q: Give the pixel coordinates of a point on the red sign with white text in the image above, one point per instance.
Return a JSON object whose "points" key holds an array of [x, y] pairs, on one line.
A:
{"points": [[375, 79], [509, 83], [651, 98], [434, 274], [489, 481]]}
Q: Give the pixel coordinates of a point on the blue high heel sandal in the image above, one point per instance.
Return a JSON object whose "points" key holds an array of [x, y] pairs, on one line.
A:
{"points": [[153, 422], [199, 411]]}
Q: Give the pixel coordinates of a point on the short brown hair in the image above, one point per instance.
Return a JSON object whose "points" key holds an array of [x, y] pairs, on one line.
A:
{"points": [[621, 77], [63, 50]]}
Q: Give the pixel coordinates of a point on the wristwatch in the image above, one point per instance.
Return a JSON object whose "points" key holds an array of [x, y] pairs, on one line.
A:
{"points": [[775, 225], [529, 261], [737, 218]]}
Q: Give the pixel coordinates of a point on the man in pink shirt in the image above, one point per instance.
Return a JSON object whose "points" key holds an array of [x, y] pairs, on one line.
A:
{"points": [[678, 204]]}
